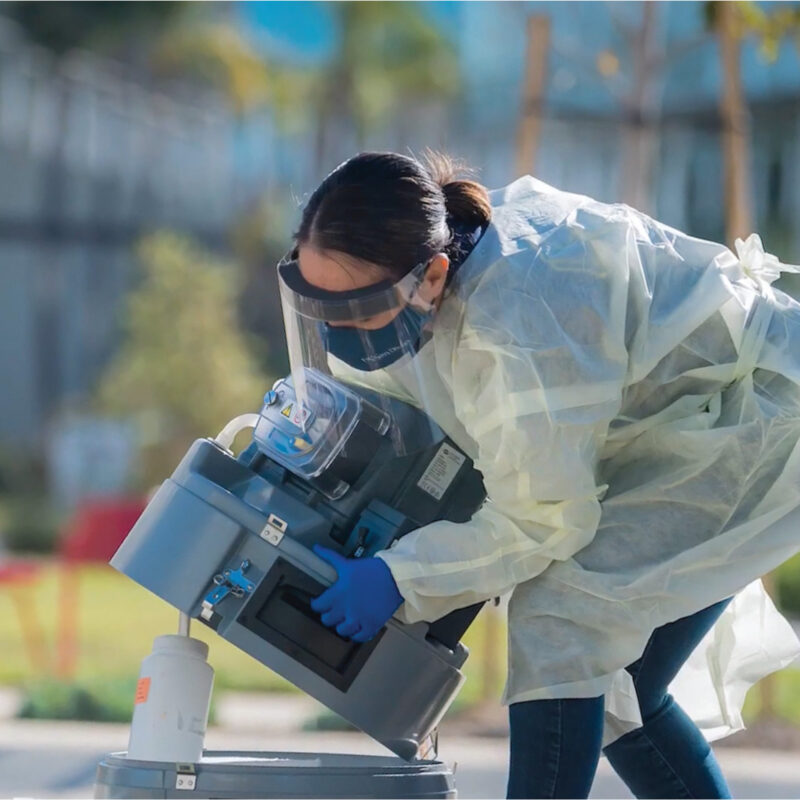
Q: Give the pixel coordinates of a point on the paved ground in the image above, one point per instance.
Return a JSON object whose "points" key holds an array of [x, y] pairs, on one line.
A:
{"points": [[50, 759]]}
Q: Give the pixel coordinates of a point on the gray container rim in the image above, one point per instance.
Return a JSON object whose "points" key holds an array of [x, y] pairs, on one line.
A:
{"points": [[272, 774]]}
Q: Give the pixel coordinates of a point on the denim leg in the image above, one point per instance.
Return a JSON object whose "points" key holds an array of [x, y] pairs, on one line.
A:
{"points": [[555, 747], [668, 756]]}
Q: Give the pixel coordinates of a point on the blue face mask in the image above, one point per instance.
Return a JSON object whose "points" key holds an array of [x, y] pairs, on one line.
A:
{"points": [[370, 350]]}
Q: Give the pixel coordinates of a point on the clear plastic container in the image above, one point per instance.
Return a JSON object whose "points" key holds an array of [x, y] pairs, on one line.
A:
{"points": [[307, 438]]}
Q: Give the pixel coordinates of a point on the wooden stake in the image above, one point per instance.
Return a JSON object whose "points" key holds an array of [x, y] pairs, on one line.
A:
{"points": [[639, 135], [32, 632], [67, 642], [735, 130], [538, 29]]}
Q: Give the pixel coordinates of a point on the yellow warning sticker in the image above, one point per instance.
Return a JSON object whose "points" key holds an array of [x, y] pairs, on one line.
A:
{"points": [[298, 415], [142, 690]]}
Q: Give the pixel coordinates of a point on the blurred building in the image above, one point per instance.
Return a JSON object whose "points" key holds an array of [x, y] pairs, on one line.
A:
{"points": [[596, 93], [90, 160]]}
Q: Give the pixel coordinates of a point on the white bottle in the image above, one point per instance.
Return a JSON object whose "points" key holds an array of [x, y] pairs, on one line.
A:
{"points": [[173, 695]]}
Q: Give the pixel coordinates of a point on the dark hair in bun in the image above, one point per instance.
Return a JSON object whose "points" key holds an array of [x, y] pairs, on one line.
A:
{"points": [[394, 210]]}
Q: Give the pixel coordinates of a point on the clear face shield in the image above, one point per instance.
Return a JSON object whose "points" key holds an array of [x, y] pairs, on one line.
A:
{"points": [[367, 337]]}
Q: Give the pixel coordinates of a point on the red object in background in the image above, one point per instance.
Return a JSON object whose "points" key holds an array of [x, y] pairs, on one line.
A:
{"points": [[98, 528], [94, 534], [16, 572]]}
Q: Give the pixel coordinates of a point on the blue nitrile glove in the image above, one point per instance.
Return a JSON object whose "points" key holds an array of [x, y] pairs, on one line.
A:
{"points": [[363, 598]]}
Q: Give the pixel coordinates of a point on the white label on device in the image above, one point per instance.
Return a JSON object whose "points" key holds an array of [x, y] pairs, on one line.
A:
{"points": [[440, 472]]}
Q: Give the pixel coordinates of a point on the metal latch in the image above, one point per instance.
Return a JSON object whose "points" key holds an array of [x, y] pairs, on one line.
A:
{"points": [[185, 777], [274, 530], [230, 581], [361, 542]]}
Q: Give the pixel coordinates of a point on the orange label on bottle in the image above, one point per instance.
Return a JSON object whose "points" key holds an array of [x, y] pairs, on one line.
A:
{"points": [[142, 690]]}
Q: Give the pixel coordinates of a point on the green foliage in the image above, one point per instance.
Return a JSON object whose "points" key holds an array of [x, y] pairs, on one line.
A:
{"points": [[184, 368], [327, 721], [62, 26], [103, 701], [219, 55], [259, 238], [112, 702], [769, 25], [787, 586], [20, 472], [116, 621], [389, 53], [786, 699], [28, 524]]}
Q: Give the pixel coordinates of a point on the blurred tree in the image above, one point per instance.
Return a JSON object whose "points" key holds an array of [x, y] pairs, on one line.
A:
{"points": [[388, 54], [218, 54], [62, 26], [632, 69], [642, 106], [537, 49], [259, 239], [638, 88], [736, 134], [787, 586], [184, 368], [635, 75], [732, 22], [770, 25]]}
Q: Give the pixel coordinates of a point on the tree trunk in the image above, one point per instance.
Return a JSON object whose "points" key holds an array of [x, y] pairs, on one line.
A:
{"points": [[640, 137], [538, 28], [738, 212], [735, 130]]}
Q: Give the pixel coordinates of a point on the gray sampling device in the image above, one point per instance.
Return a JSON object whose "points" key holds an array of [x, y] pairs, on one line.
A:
{"points": [[227, 540]]}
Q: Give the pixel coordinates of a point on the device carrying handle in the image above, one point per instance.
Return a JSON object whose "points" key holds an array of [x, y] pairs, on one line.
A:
{"points": [[226, 436]]}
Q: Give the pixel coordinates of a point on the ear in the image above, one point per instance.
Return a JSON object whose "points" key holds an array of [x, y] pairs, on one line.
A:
{"points": [[433, 283]]}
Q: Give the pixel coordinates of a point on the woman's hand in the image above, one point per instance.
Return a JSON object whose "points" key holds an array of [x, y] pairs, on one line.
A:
{"points": [[363, 598]]}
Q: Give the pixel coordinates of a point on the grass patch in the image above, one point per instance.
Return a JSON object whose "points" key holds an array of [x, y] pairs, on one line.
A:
{"points": [[110, 701], [786, 698], [328, 720], [118, 620], [103, 701], [787, 585]]}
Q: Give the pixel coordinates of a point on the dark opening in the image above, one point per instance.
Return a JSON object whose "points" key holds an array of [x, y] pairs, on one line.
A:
{"points": [[280, 612]]}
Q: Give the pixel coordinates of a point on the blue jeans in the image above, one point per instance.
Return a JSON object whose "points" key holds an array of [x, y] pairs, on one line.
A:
{"points": [[556, 744]]}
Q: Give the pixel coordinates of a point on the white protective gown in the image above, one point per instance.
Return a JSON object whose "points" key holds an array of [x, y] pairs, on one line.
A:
{"points": [[632, 397]]}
